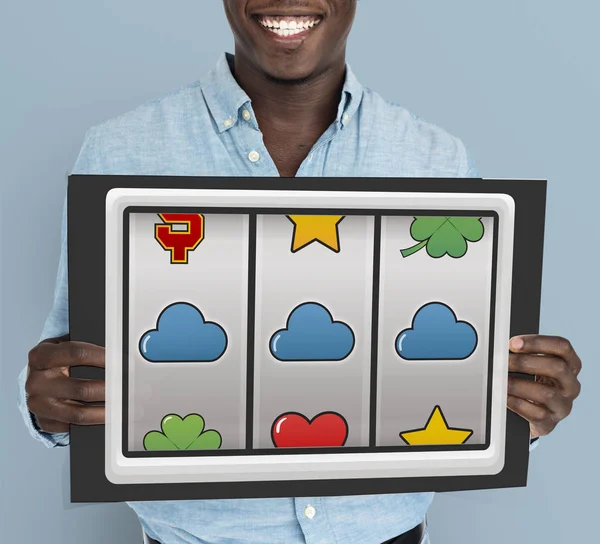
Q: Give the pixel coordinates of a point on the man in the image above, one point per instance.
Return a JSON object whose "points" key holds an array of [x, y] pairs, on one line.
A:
{"points": [[285, 105]]}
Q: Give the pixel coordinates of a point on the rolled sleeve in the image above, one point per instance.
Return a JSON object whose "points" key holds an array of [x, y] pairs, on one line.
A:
{"points": [[50, 440]]}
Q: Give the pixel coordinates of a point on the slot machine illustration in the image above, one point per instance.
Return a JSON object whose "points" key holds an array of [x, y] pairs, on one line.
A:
{"points": [[264, 336]]}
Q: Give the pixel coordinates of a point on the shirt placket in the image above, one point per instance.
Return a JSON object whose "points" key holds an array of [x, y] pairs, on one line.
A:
{"points": [[251, 145], [313, 520], [256, 157], [312, 166]]}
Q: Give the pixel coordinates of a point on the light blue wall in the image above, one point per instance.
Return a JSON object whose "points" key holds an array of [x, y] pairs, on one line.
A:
{"points": [[518, 80]]}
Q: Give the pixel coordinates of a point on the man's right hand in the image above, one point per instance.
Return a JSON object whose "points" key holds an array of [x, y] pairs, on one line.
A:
{"points": [[55, 398]]}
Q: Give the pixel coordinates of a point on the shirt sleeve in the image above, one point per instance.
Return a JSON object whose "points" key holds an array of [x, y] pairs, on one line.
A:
{"points": [[57, 322]]}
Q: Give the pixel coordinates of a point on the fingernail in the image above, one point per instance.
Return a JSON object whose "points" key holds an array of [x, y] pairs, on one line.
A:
{"points": [[516, 343]]}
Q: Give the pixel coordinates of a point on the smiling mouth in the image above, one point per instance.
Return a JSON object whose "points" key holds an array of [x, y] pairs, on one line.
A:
{"points": [[289, 26]]}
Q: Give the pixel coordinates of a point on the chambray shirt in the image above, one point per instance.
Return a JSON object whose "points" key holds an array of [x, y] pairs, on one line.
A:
{"points": [[209, 129]]}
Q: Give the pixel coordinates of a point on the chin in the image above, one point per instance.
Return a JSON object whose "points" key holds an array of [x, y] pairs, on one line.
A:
{"points": [[289, 79]]}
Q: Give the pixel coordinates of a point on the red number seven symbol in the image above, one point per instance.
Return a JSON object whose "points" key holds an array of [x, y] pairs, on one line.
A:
{"points": [[179, 242]]}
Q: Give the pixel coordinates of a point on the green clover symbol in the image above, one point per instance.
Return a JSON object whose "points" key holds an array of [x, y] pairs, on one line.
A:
{"points": [[444, 235], [182, 434]]}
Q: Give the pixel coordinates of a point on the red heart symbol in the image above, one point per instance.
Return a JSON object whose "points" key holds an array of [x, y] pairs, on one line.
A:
{"points": [[293, 430]]}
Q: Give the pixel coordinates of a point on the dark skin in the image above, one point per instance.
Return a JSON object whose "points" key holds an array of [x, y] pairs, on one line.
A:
{"points": [[295, 87]]}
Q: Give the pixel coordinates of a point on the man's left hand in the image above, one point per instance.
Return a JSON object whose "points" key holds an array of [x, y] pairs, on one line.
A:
{"points": [[555, 365]]}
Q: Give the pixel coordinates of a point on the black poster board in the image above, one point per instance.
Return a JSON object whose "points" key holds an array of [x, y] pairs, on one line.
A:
{"points": [[86, 228]]}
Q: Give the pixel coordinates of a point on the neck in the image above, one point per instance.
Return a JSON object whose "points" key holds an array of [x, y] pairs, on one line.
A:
{"points": [[312, 102]]}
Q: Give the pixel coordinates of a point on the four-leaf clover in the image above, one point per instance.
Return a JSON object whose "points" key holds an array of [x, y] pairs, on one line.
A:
{"points": [[182, 434], [444, 235]]}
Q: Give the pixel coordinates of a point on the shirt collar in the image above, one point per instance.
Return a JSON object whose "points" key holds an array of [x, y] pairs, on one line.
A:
{"points": [[352, 94], [225, 97]]}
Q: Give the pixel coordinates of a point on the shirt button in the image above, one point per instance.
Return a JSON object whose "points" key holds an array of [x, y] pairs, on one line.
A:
{"points": [[228, 123], [253, 156], [346, 118], [310, 512], [246, 115]]}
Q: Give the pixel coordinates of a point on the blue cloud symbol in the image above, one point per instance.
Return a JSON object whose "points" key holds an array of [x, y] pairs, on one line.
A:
{"points": [[311, 334], [436, 334], [182, 335]]}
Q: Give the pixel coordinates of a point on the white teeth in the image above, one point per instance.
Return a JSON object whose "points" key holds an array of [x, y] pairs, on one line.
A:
{"points": [[284, 27], [285, 32]]}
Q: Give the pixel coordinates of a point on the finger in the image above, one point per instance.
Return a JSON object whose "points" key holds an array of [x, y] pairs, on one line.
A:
{"points": [[534, 413], [547, 345], [52, 426], [49, 354], [63, 387], [549, 367], [545, 395], [66, 411]]}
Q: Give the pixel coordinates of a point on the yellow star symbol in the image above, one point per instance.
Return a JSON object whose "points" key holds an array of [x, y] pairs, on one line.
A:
{"points": [[315, 228], [436, 432]]}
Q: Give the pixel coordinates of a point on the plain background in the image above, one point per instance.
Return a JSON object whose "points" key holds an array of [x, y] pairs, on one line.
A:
{"points": [[517, 80]]}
